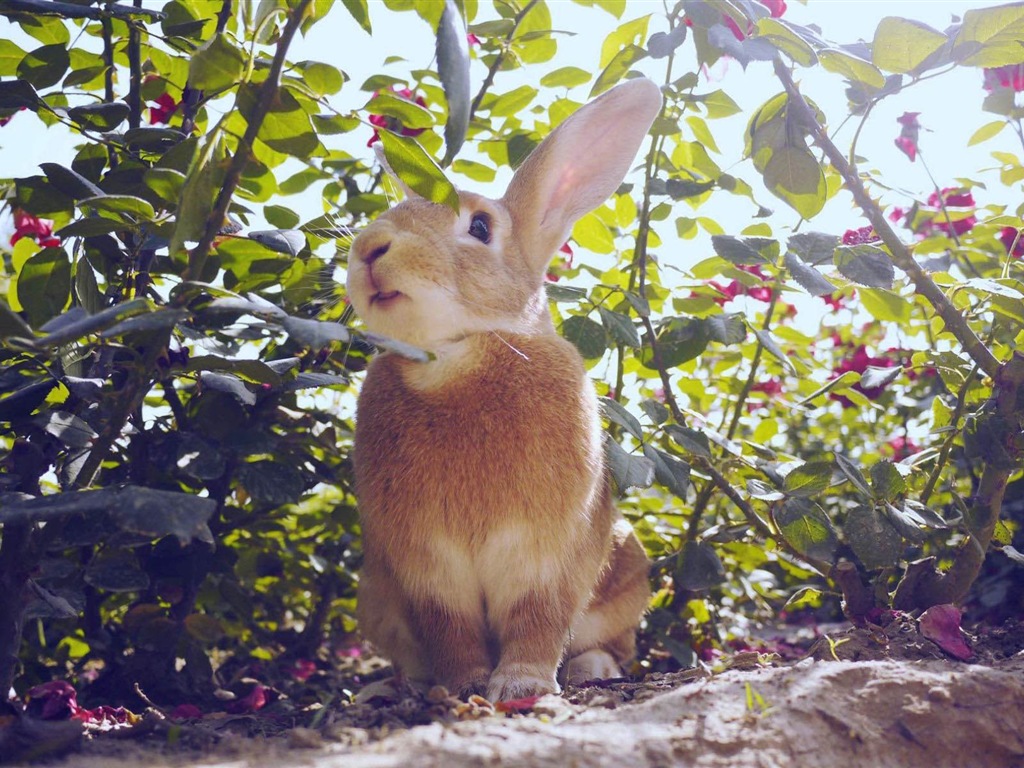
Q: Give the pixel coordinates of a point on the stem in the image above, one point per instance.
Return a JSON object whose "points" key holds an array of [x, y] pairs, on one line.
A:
{"points": [[16, 562], [499, 58], [748, 385], [108, 76], [899, 253], [961, 400], [267, 93], [134, 97]]}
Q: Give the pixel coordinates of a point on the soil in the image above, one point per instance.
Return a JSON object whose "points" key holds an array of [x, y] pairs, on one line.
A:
{"points": [[862, 696]]}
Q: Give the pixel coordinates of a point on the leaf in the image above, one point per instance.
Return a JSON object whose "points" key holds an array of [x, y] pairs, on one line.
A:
{"points": [[662, 44], [44, 285], [360, 12], [588, 337], [726, 329], [627, 470], [872, 538], [228, 384], [167, 183], [853, 474], [409, 113], [620, 328], [66, 427], [990, 37], [418, 170], [11, 324], [617, 69], [986, 132], [773, 348], [1014, 555], [272, 483], [886, 480], [795, 177], [565, 77], [77, 323], [315, 334], [778, 33], [699, 567], [322, 79], [851, 67], [670, 471], [885, 305], [745, 251], [216, 65], [691, 440], [810, 279], [902, 45], [616, 413], [813, 247], [44, 66], [808, 479], [17, 94], [679, 340], [128, 208], [198, 458], [143, 511], [160, 320], [763, 491], [807, 528], [116, 571], [874, 377], [408, 351], [941, 625], [100, 117], [865, 264], [71, 183], [453, 69], [198, 194], [290, 241]]}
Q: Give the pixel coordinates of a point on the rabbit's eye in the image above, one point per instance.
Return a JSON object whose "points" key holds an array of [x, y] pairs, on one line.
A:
{"points": [[480, 227]]}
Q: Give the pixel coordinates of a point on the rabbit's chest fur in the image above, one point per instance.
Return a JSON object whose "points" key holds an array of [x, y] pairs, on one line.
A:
{"points": [[501, 465]]}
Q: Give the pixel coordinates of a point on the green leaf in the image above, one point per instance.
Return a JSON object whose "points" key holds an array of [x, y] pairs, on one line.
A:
{"points": [[418, 170], [763, 491], [631, 32], [851, 67], [617, 69], [679, 340], [699, 567], [853, 473], [873, 377], [616, 413], [290, 241], [810, 279], [808, 479], [409, 113], [116, 571], [322, 79], [872, 538], [565, 77], [271, 483], [315, 334], [160, 320], [628, 471], [670, 471], [166, 183], [745, 251], [691, 440], [902, 45], [588, 337], [847, 379], [726, 329], [620, 328], [885, 305], [125, 207], [453, 69], [15, 94], [773, 348], [66, 427], [778, 33], [813, 247], [865, 264], [71, 183], [11, 324], [990, 37], [513, 102], [216, 65], [886, 480], [360, 12], [44, 285], [44, 66], [793, 175], [198, 194], [100, 117], [807, 528], [11, 55], [805, 597], [475, 171]]}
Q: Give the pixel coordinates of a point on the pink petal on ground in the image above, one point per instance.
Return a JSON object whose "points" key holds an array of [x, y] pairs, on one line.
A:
{"points": [[941, 625], [517, 705]]}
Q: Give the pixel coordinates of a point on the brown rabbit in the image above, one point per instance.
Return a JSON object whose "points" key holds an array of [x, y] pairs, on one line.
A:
{"points": [[493, 549]]}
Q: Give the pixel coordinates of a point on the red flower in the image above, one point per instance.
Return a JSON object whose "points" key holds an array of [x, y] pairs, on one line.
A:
{"points": [[40, 230], [859, 362], [393, 124], [472, 40], [1010, 76], [906, 142], [860, 236], [736, 288], [1013, 241], [837, 300], [562, 263], [770, 387], [897, 214], [951, 197], [777, 7], [56, 700], [302, 669], [901, 447], [256, 699], [162, 109], [186, 712]]}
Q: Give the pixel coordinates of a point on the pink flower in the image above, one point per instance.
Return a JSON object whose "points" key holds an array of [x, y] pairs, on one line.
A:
{"points": [[472, 40], [901, 447], [561, 263], [951, 197], [1013, 241], [302, 669], [40, 230], [256, 699], [777, 7], [910, 129], [859, 236], [859, 361], [1010, 76], [186, 712], [162, 109], [736, 288], [56, 700], [837, 300], [393, 124], [897, 214]]}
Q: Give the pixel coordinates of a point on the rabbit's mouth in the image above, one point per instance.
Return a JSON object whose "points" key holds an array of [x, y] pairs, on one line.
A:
{"points": [[383, 298]]}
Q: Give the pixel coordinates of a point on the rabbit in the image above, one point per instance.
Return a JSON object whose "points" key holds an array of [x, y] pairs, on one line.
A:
{"points": [[493, 550]]}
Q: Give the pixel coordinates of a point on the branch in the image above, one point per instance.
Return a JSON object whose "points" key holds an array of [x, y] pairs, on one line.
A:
{"points": [[499, 58], [243, 153], [134, 74], [75, 11], [900, 255]]}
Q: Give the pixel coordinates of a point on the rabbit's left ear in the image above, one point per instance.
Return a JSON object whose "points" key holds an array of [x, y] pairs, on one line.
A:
{"points": [[578, 166], [378, 150]]}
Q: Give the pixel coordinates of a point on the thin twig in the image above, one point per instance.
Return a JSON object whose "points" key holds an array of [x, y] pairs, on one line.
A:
{"points": [[961, 400], [499, 58]]}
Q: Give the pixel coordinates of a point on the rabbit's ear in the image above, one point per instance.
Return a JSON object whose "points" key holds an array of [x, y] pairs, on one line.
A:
{"points": [[578, 166], [378, 150]]}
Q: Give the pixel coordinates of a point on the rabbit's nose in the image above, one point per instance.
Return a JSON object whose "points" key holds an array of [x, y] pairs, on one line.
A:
{"points": [[376, 252]]}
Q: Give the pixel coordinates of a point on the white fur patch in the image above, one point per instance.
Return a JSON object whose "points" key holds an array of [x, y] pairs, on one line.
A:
{"points": [[520, 681], [594, 664]]}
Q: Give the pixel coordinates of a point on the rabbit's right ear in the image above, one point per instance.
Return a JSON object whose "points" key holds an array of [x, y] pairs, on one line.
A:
{"points": [[578, 166]]}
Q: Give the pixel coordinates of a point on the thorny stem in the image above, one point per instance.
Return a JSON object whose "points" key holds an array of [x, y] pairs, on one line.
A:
{"points": [[214, 222], [134, 98], [900, 255], [499, 58], [940, 462]]}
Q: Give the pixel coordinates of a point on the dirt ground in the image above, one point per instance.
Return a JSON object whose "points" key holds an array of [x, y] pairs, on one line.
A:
{"points": [[892, 699]]}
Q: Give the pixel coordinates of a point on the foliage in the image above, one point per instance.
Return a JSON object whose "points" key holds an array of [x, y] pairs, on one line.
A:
{"points": [[177, 385]]}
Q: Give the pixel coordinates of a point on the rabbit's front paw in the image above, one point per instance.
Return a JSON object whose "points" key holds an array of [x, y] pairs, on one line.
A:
{"points": [[594, 664], [519, 682]]}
